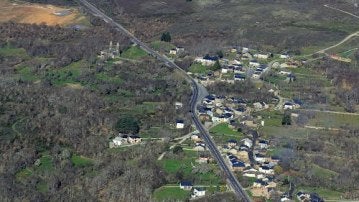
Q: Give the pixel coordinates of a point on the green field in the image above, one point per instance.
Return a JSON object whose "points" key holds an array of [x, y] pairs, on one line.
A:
{"points": [[134, 52], [223, 129], [9, 52], [326, 194], [80, 161], [271, 118], [323, 173], [162, 46], [66, 75], [197, 68], [170, 194], [331, 120]]}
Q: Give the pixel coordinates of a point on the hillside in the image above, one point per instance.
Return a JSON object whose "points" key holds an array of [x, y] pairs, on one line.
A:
{"points": [[298, 26]]}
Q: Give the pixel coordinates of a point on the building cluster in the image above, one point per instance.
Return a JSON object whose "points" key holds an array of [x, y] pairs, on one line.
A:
{"points": [[243, 63], [125, 139], [111, 52], [309, 197], [221, 109], [197, 192], [250, 158]]}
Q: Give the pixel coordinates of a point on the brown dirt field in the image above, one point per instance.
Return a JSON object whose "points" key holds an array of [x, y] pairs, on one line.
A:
{"points": [[36, 13]]}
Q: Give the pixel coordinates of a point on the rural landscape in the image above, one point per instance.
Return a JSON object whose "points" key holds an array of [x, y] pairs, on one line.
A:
{"points": [[181, 100]]}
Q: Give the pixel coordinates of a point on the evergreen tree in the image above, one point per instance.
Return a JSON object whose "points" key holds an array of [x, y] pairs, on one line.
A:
{"points": [[127, 124], [287, 120], [166, 37], [216, 66]]}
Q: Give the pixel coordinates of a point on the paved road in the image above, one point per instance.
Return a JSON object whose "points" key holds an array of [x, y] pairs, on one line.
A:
{"points": [[199, 92]]}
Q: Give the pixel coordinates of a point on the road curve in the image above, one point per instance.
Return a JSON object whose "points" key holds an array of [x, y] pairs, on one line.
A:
{"points": [[197, 95]]}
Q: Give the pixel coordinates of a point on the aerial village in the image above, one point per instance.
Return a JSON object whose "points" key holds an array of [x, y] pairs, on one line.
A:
{"points": [[247, 155]]}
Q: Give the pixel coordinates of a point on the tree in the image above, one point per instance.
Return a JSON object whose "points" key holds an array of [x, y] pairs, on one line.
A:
{"points": [[166, 37], [220, 54], [177, 149], [127, 124], [287, 120], [216, 66]]}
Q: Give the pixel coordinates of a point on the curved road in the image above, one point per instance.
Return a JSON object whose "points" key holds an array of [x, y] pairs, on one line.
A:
{"points": [[199, 92]]}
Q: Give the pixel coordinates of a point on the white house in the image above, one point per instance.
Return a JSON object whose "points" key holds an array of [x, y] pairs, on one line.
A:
{"points": [[256, 75], [224, 70], [245, 50], [288, 105], [249, 174], [284, 73], [260, 105], [173, 52], [266, 170], [263, 144], [186, 185], [261, 56], [205, 62], [198, 192], [178, 105], [180, 124], [179, 49], [284, 56], [134, 139], [254, 63], [195, 137], [118, 141], [248, 142], [260, 158]]}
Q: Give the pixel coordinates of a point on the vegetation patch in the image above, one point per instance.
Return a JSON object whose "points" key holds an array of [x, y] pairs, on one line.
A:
{"points": [[327, 194], [223, 129], [197, 68], [45, 164], [105, 77], [27, 75], [162, 46], [42, 186], [23, 174], [80, 161], [8, 51], [134, 52], [170, 194], [331, 120]]}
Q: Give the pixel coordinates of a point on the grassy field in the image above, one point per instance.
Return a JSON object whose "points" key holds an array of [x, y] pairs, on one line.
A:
{"points": [[271, 118], [326, 194], [223, 129], [331, 120], [323, 173], [170, 194], [134, 52], [174, 165], [80, 161], [162, 46], [27, 75], [197, 68], [9, 51]]}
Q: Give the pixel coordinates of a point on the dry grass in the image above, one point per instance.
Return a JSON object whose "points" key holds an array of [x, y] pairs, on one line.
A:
{"points": [[36, 13]]}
